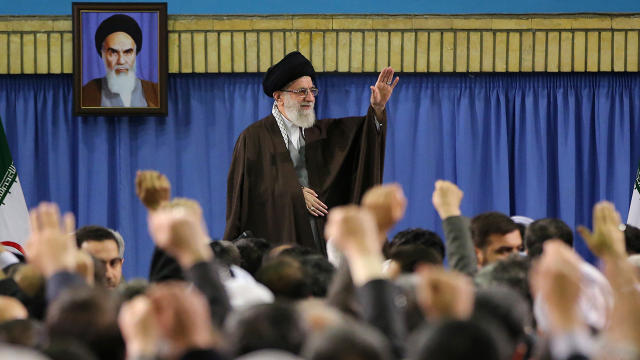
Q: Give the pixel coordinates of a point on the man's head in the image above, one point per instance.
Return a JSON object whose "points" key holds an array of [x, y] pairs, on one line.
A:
{"points": [[291, 83], [105, 245], [495, 236], [118, 41], [546, 229]]}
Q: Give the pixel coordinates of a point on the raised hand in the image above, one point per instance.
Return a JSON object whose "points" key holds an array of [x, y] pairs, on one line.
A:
{"points": [[152, 188], [387, 203], [381, 91], [446, 199], [607, 239]]}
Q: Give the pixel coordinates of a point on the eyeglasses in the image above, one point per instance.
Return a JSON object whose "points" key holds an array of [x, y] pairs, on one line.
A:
{"points": [[303, 92]]}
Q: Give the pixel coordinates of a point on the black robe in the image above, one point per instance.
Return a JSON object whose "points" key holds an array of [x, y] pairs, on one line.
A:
{"points": [[344, 158]]}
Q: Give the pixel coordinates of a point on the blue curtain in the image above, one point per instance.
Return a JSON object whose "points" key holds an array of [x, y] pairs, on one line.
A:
{"points": [[528, 144]]}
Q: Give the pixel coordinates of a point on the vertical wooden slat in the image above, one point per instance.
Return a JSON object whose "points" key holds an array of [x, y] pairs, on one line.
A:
{"points": [[487, 51], [67, 53], [461, 52], [290, 41], [395, 52], [174, 56], [632, 51], [540, 52], [409, 52], [238, 51], [435, 53], [304, 44], [422, 54], [343, 51], [619, 55], [527, 52], [369, 51], [330, 55], [252, 52], [514, 52], [448, 47], [28, 54], [42, 53], [317, 50], [4, 54], [382, 57], [186, 50], [278, 46], [566, 52], [605, 50], [55, 53], [579, 51], [226, 51], [356, 52], [501, 52], [213, 63], [593, 51], [199, 53], [15, 55], [264, 41], [553, 52]]}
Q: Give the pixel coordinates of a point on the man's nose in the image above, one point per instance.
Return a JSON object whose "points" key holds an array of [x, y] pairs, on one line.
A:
{"points": [[309, 96], [120, 59]]}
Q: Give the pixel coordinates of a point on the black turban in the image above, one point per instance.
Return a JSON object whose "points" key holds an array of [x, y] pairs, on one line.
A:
{"points": [[115, 23], [290, 68]]}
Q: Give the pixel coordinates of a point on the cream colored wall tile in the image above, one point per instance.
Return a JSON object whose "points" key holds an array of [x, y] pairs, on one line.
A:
{"points": [[601, 22], [501, 52], [527, 52], [343, 51], [553, 51], [632, 51], [624, 22], [264, 43], [461, 51], [67, 53], [434, 22], [409, 52], [551, 23], [566, 51], [579, 51], [605, 51], [511, 24], [395, 51], [422, 54], [312, 23], [513, 64], [330, 55], [199, 53], [15, 57], [488, 53], [356, 51], [593, 51], [62, 25], [55, 53], [252, 51], [317, 50], [174, 52], [383, 50], [475, 51], [304, 44], [392, 23], [4, 54], [290, 41], [42, 53], [472, 24], [349, 23], [232, 24], [272, 24], [448, 48], [238, 51], [226, 63], [186, 50], [28, 54], [619, 55], [277, 43], [213, 64], [193, 24], [540, 51], [369, 51]]}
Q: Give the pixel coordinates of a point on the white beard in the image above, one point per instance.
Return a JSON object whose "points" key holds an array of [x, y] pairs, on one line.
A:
{"points": [[298, 116], [122, 83]]}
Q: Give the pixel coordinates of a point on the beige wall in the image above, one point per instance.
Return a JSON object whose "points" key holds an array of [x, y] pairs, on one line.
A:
{"points": [[413, 43]]}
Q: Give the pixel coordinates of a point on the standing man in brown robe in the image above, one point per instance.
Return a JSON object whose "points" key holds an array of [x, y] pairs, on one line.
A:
{"points": [[288, 169]]}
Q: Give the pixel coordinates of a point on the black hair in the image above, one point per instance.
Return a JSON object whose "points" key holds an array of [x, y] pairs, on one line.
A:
{"points": [[418, 236], [486, 224], [542, 230]]}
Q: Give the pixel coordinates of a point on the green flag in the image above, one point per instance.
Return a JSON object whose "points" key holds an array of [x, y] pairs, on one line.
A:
{"points": [[14, 216]]}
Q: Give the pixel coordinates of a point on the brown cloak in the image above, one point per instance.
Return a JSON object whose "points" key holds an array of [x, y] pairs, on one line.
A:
{"points": [[344, 157]]}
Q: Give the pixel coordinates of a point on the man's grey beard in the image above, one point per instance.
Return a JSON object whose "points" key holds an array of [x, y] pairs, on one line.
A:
{"points": [[303, 118], [121, 83]]}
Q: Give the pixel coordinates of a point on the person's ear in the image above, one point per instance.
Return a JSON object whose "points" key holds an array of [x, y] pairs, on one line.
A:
{"points": [[479, 256]]}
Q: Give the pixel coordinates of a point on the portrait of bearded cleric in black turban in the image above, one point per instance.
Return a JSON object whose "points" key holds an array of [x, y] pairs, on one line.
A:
{"points": [[119, 60]]}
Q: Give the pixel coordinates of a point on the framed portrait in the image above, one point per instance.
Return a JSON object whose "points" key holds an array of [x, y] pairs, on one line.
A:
{"points": [[120, 58]]}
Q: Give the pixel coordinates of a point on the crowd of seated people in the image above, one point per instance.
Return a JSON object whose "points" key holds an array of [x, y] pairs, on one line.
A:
{"points": [[501, 295]]}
